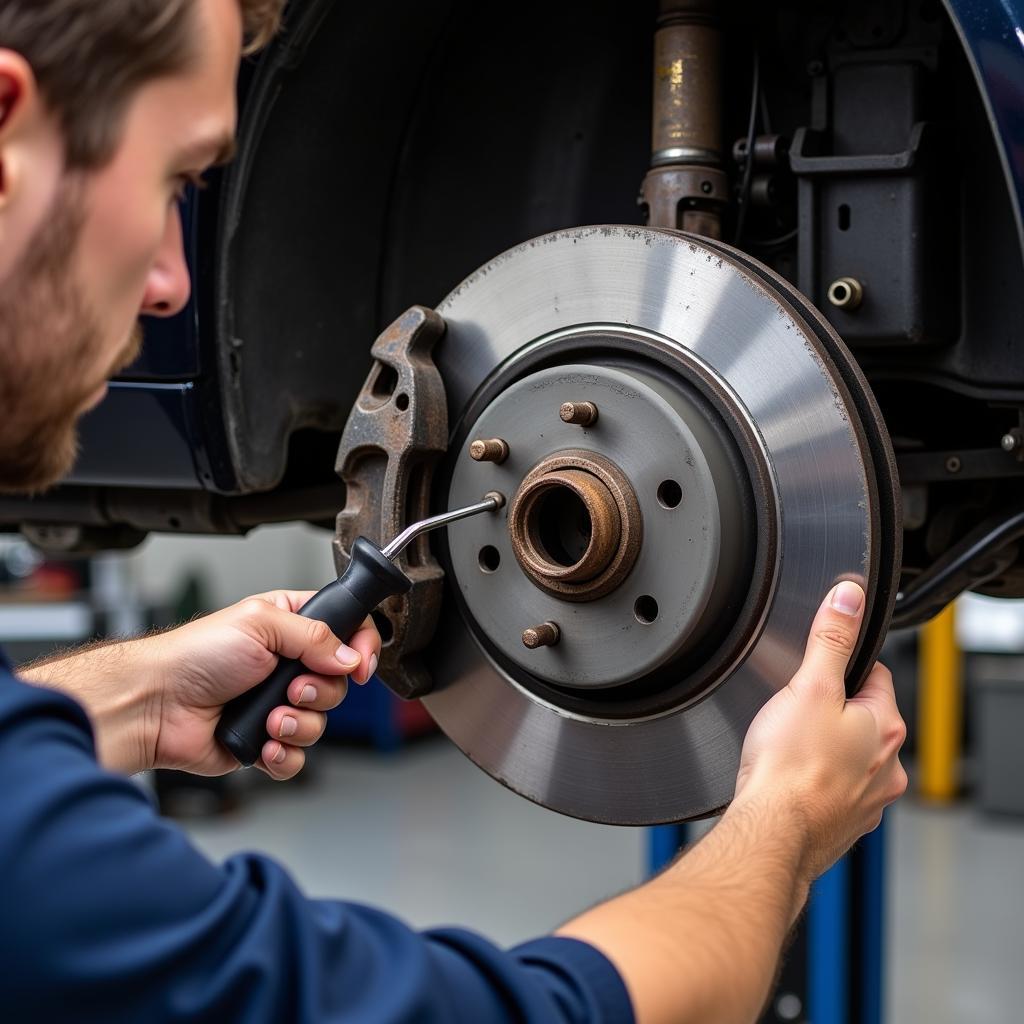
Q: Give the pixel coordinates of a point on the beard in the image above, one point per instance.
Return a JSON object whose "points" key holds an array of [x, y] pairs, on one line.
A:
{"points": [[50, 341]]}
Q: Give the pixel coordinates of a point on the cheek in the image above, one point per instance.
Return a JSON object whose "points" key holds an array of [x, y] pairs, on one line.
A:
{"points": [[121, 238]]}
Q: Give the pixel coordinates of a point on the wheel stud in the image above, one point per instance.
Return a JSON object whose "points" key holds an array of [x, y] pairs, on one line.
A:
{"points": [[547, 634], [583, 414], [492, 450]]}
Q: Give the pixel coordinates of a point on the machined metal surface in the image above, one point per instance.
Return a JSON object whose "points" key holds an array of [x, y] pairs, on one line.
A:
{"points": [[846, 293], [698, 304], [675, 555], [492, 502]]}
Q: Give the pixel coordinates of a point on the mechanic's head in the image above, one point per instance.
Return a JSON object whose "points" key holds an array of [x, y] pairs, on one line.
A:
{"points": [[107, 111]]}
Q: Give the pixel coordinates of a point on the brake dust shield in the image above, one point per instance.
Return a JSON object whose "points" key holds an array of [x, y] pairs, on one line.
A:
{"points": [[691, 460]]}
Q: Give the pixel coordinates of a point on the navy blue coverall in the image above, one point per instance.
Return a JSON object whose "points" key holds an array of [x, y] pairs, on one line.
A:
{"points": [[110, 914]]}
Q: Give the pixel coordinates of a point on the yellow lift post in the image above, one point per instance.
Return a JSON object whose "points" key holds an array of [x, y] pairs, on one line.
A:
{"points": [[939, 707]]}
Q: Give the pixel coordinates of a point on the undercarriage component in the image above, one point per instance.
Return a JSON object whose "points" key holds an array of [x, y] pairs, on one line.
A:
{"points": [[873, 172], [987, 551], [604, 643], [686, 187], [397, 431]]}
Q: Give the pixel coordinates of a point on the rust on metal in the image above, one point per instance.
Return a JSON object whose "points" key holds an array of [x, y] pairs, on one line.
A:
{"points": [[493, 449], [687, 47], [547, 634], [686, 198], [583, 414], [395, 436], [535, 515], [685, 188], [586, 495]]}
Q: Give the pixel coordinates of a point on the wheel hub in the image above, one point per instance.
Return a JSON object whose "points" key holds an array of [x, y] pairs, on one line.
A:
{"points": [[575, 525], [692, 460], [616, 531]]}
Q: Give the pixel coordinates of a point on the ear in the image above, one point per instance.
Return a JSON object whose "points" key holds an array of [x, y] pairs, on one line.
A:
{"points": [[19, 104]]}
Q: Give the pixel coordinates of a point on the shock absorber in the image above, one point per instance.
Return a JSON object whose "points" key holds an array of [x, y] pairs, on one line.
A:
{"points": [[686, 187]]}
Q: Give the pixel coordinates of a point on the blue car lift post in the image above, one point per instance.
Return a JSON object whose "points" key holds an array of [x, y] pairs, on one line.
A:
{"points": [[833, 965]]}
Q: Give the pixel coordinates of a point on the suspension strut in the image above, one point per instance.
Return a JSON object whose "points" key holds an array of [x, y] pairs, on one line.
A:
{"points": [[686, 187]]}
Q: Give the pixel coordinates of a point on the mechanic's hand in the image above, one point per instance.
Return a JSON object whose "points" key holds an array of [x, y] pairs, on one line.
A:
{"points": [[206, 663], [832, 761]]}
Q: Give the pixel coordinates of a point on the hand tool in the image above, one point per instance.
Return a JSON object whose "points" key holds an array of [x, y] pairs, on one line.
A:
{"points": [[343, 605]]}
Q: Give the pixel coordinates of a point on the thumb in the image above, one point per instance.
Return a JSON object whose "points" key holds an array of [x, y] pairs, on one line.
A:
{"points": [[832, 639]]}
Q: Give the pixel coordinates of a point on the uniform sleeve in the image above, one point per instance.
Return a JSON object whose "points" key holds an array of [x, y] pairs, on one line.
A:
{"points": [[111, 915]]}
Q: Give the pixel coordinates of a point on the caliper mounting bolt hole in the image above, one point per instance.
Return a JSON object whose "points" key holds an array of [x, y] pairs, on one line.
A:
{"points": [[645, 609], [670, 494], [490, 559]]}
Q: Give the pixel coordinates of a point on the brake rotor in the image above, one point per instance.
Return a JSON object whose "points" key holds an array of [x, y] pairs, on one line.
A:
{"points": [[691, 460]]}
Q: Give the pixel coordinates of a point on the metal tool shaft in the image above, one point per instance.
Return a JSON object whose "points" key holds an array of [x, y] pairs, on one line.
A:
{"points": [[491, 503], [369, 579]]}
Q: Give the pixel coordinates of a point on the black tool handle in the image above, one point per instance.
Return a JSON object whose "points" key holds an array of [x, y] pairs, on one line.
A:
{"points": [[343, 605]]}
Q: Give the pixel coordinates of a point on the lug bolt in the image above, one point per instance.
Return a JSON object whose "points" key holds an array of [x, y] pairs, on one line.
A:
{"points": [[846, 293], [547, 634], [1011, 441], [492, 450], [583, 414]]}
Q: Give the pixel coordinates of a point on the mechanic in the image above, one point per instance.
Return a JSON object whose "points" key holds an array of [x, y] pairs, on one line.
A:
{"points": [[107, 111]]}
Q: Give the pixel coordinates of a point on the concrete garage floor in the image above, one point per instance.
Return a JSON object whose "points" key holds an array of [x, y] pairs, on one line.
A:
{"points": [[956, 916], [429, 837]]}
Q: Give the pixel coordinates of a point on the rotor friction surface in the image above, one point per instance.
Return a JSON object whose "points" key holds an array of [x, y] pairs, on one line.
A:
{"points": [[673, 292]]}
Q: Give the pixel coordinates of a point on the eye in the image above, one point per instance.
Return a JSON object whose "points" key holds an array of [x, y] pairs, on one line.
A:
{"points": [[183, 182]]}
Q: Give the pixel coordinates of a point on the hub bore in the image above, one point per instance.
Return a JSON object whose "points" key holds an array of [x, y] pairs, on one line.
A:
{"points": [[575, 525], [660, 464]]}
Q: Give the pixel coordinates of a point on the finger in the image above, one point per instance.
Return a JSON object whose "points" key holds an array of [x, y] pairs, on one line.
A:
{"points": [[307, 640], [899, 782], [832, 640], [878, 696], [366, 643], [317, 693], [287, 600], [877, 688], [295, 728], [280, 761]]}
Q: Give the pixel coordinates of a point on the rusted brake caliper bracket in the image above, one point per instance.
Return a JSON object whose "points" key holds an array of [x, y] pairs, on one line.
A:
{"points": [[395, 436]]}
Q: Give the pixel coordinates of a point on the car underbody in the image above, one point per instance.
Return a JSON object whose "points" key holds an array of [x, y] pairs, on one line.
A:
{"points": [[719, 342]]}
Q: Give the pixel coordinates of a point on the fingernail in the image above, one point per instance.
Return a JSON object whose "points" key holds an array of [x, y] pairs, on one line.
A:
{"points": [[280, 755], [373, 664], [289, 727], [847, 598], [308, 694], [348, 657]]}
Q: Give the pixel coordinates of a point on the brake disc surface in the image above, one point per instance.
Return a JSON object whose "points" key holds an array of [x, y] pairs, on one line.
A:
{"points": [[736, 452]]}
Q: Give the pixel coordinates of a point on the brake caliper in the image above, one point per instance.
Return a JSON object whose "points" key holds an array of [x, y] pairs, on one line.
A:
{"points": [[395, 436]]}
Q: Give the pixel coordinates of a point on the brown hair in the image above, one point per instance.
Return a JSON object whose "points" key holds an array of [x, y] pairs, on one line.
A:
{"points": [[91, 56]]}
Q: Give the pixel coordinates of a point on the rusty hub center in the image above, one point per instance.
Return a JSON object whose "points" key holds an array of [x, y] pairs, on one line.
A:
{"points": [[575, 525]]}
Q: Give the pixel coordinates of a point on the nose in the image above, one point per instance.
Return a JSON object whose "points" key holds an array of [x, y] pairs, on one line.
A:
{"points": [[168, 286]]}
